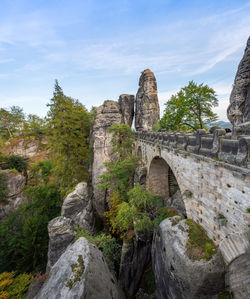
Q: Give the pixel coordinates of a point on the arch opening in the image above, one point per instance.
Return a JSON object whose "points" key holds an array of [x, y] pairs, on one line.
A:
{"points": [[162, 181]]}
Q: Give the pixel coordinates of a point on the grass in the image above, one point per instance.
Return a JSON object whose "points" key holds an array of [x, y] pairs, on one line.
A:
{"points": [[199, 246]]}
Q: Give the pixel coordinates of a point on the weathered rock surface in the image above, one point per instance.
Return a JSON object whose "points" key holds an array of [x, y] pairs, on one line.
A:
{"points": [[136, 255], [239, 276], [78, 206], [82, 265], [61, 233], [127, 102], [107, 115], [239, 109], [25, 147], [177, 276], [15, 183], [177, 202], [147, 110]]}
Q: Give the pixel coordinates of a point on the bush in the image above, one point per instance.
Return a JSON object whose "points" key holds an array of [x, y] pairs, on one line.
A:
{"points": [[3, 188], [12, 286], [14, 162], [24, 235]]}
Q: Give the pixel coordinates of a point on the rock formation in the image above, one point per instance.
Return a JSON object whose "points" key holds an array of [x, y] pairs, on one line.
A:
{"points": [[15, 183], [136, 256], [127, 102], [177, 276], [108, 114], [61, 233], [80, 272], [147, 110], [78, 206], [238, 111]]}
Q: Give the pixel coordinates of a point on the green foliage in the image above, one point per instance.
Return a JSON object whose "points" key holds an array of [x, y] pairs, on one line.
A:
{"points": [[120, 171], [68, 128], [156, 126], [199, 246], [11, 121], [110, 247], [191, 108], [40, 172], [34, 126], [14, 162], [24, 235], [248, 209], [3, 188], [12, 286]]}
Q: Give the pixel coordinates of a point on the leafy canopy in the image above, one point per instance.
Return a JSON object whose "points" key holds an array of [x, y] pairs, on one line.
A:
{"points": [[191, 107]]}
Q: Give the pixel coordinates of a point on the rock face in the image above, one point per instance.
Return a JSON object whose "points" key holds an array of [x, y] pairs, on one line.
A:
{"points": [[177, 276], [61, 233], [109, 113], [147, 110], [15, 183], [127, 102], [81, 272], [177, 202], [25, 147], [136, 255], [78, 206], [239, 109]]}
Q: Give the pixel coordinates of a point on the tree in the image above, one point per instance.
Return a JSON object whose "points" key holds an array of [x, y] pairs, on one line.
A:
{"points": [[68, 129], [11, 121], [191, 107]]}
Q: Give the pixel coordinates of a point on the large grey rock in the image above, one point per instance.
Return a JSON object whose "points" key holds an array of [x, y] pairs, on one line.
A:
{"points": [[81, 272], [135, 258], [78, 206], [127, 102], [107, 115], [15, 182], [177, 276], [177, 202], [238, 111], [61, 233], [147, 110]]}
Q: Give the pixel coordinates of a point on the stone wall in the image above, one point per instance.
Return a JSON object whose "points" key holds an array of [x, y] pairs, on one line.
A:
{"points": [[216, 194]]}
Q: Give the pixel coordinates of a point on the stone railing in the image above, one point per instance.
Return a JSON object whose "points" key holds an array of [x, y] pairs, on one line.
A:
{"points": [[218, 145]]}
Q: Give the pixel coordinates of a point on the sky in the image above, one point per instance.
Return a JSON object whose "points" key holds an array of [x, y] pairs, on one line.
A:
{"points": [[97, 49]]}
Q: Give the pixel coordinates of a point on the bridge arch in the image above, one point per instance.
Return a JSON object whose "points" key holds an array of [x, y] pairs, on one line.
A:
{"points": [[161, 179]]}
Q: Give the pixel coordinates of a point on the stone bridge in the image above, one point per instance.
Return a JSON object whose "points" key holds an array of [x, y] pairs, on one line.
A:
{"points": [[213, 175]]}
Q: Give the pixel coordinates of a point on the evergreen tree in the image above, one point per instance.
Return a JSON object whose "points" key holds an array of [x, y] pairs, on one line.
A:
{"points": [[69, 127]]}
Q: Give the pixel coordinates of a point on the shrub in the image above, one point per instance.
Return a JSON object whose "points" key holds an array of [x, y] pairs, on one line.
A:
{"points": [[3, 188], [24, 235], [14, 162], [12, 286]]}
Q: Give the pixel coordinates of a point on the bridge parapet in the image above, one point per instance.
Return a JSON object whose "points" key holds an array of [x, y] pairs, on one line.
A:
{"points": [[216, 145]]}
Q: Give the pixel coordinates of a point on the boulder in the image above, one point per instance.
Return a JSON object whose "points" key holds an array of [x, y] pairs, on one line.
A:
{"points": [[177, 276], [147, 110], [127, 102], [78, 206], [177, 202], [135, 258], [61, 233], [238, 111], [80, 272], [15, 182]]}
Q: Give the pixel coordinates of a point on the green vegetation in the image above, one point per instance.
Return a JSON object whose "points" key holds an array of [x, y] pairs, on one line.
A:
{"points": [[3, 189], [41, 172], [68, 128], [199, 246], [77, 270], [14, 162], [110, 247], [248, 209], [24, 235], [190, 108], [14, 286]]}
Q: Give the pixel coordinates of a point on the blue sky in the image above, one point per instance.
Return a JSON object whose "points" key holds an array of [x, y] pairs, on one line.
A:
{"points": [[97, 49]]}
